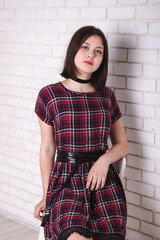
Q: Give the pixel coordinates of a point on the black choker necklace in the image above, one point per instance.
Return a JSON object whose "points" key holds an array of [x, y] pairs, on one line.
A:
{"points": [[82, 81]]}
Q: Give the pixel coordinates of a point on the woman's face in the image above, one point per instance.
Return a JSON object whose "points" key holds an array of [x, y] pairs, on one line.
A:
{"points": [[89, 57]]}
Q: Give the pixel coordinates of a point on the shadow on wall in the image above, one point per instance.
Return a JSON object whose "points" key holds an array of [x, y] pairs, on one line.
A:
{"points": [[126, 76]]}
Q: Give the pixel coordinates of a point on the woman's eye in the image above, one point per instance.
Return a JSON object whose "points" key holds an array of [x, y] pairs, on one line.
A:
{"points": [[99, 51], [85, 47]]}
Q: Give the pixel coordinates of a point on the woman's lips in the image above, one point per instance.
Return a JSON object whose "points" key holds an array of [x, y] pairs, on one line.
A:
{"points": [[88, 62]]}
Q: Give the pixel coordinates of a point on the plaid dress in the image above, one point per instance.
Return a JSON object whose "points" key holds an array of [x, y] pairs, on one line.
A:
{"points": [[81, 123]]}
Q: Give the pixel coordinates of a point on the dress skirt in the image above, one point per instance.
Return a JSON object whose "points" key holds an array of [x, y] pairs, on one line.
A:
{"points": [[72, 211]]}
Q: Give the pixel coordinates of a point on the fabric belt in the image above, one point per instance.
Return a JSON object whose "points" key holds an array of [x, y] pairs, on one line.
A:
{"points": [[77, 158]]}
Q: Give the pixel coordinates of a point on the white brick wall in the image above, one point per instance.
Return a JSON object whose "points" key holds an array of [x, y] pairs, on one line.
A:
{"points": [[33, 39]]}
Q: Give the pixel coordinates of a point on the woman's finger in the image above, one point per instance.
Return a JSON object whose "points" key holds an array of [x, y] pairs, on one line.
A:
{"points": [[98, 184], [93, 184]]}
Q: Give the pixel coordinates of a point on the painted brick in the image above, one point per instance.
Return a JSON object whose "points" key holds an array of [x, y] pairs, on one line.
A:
{"points": [[16, 201], [121, 13], [135, 149], [32, 4], [158, 140], [127, 2], [129, 96], [32, 147], [158, 86], [116, 81], [14, 25], [2, 26], [157, 218], [58, 51], [51, 3], [33, 60], [140, 111], [72, 3], [140, 137], [27, 38], [7, 14], [141, 163], [41, 50], [151, 70], [132, 198], [19, 164], [127, 69], [4, 197], [23, 134], [133, 223], [157, 195], [118, 54], [133, 174], [47, 38], [110, 68], [10, 171], [141, 188], [141, 84], [8, 37], [10, 208], [154, 1], [10, 58], [42, 72], [23, 71], [142, 56], [102, 2], [122, 107], [6, 69], [132, 235], [46, 14], [25, 196], [13, 4], [68, 13], [98, 13], [56, 26], [154, 28], [151, 152], [1, 3], [133, 27], [122, 41], [22, 14], [148, 12], [34, 26], [158, 113], [106, 26], [151, 178], [151, 125], [73, 28], [140, 213], [132, 122], [148, 42], [53, 62], [151, 229]]}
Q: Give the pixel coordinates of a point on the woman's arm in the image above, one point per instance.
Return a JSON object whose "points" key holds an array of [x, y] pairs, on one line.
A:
{"points": [[119, 143], [97, 175], [47, 154]]}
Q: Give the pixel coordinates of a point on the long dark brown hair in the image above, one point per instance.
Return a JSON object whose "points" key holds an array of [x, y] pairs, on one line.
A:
{"points": [[99, 77]]}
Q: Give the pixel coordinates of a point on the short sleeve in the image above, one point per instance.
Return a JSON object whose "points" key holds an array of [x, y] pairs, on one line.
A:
{"points": [[116, 113], [41, 107]]}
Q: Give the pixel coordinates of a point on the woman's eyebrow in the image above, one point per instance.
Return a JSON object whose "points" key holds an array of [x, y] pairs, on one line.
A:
{"points": [[90, 44]]}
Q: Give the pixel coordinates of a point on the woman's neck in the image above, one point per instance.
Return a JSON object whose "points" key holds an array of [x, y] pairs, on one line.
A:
{"points": [[78, 87]]}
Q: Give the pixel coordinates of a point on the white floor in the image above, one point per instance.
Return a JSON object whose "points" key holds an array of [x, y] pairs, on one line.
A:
{"points": [[12, 230]]}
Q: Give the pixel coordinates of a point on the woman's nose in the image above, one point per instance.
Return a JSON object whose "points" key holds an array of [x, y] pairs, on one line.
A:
{"points": [[91, 54]]}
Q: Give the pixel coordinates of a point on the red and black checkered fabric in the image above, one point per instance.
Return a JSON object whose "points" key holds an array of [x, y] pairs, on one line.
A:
{"points": [[81, 122]]}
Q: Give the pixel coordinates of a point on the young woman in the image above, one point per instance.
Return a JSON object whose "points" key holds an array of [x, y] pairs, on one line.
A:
{"points": [[83, 197]]}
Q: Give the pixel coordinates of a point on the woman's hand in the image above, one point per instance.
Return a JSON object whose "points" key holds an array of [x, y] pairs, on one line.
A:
{"points": [[97, 175], [40, 208]]}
